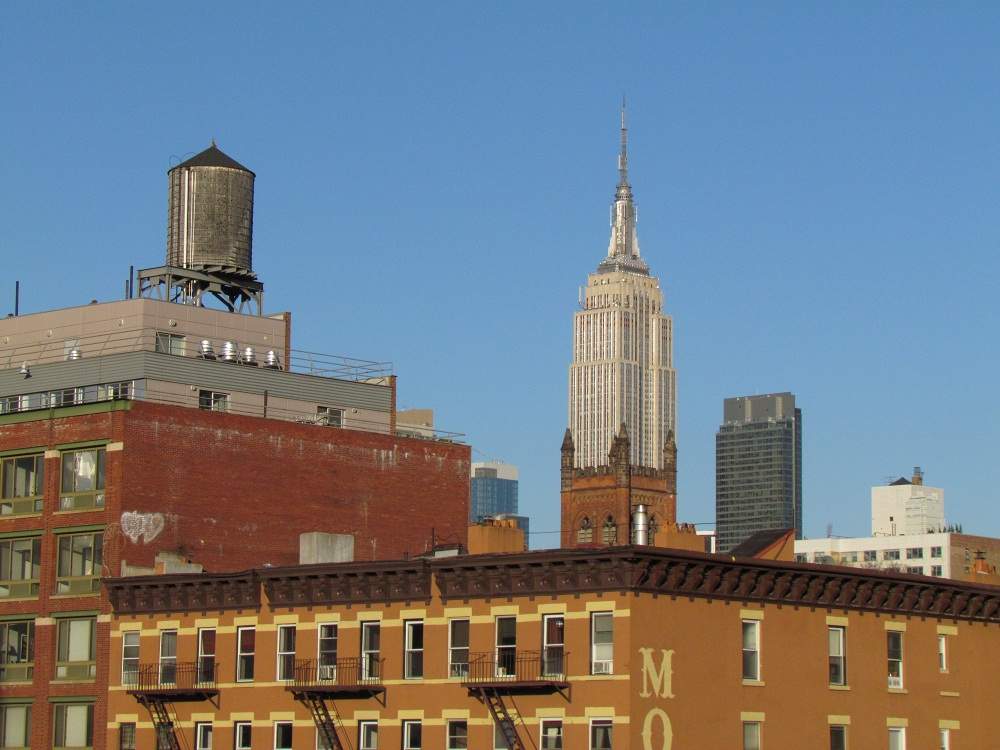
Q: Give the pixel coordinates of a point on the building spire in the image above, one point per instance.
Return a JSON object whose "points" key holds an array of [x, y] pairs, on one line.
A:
{"points": [[623, 155], [623, 249]]}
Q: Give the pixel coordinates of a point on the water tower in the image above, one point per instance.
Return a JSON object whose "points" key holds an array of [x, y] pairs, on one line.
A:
{"points": [[209, 236]]}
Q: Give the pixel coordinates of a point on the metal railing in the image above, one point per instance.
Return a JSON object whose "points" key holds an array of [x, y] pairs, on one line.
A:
{"points": [[551, 665], [355, 672], [172, 676]]}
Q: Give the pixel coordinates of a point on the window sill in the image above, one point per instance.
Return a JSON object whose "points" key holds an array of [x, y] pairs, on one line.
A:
{"points": [[840, 687], [87, 595], [75, 510], [900, 691], [67, 681], [7, 516], [948, 694], [5, 599], [754, 683]]}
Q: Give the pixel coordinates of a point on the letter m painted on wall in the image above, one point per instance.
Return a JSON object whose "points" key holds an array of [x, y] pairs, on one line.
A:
{"points": [[661, 680]]}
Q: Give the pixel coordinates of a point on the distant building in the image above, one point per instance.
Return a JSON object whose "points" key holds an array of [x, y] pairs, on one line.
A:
{"points": [[758, 468], [494, 490], [909, 534], [907, 506], [522, 522]]}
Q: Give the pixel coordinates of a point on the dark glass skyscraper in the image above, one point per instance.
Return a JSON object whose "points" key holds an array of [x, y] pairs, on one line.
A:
{"points": [[758, 468], [494, 491]]}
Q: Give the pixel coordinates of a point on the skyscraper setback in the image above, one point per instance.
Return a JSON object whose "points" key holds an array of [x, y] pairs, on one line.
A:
{"points": [[758, 468], [622, 370]]}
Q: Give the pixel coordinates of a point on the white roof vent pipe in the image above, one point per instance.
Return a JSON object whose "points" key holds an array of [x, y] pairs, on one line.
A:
{"points": [[271, 361], [207, 352], [640, 525], [249, 358], [228, 352]]}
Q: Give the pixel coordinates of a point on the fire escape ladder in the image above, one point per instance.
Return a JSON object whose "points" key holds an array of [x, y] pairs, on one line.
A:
{"points": [[501, 716], [163, 725], [325, 723]]}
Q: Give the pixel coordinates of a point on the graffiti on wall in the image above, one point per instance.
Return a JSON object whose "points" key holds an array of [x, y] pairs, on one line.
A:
{"points": [[657, 682], [137, 525]]}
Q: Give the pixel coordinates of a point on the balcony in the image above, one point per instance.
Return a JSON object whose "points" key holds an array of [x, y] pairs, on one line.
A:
{"points": [[354, 677], [174, 681], [519, 672]]}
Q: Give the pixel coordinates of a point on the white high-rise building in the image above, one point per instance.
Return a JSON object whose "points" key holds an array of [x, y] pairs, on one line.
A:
{"points": [[622, 369], [907, 507]]}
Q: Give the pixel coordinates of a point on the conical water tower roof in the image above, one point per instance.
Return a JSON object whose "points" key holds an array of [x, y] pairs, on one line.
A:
{"points": [[212, 157]]}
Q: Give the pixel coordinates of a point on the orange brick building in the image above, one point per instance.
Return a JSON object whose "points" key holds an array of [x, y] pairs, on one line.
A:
{"points": [[630, 648]]}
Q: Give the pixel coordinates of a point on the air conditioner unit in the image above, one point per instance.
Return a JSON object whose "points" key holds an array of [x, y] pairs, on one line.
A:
{"points": [[327, 672], [603, 667]]}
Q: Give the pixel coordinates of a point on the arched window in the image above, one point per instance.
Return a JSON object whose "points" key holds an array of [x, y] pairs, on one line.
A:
{"points": [[609, 532], [585, 534]]}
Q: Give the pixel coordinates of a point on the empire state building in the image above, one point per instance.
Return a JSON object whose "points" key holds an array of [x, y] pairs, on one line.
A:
{"points": [[622, 370]]}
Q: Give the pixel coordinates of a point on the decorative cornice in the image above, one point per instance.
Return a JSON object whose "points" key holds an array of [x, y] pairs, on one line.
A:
{"points": [[347, 583], [184, 593]]}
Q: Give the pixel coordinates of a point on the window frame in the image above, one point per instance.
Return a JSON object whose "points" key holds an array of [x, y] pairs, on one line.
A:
{"points": [[206, 659], [594, 645], [327, 671], [362, 726], [283, 670], [600, 723], [5, 721], [17, 553], [24, 669], [237, 727], [371, 656], [209, 400], [278, 725], [171, 340], [167, 662], [942, 646], [122, 744], [407, 728], [459, 668], [840, 632], [754, 625], [891, 635], [330, 416], [543, 724], [76, 499], [74, 670], [200, 732], [63, 709], [840, 729], [84, 584], [505, 654], [899, 732], [757, 741], [127, 659], [413, 656], [21, 504], [245, 657], [454, 742], [554, 653]]}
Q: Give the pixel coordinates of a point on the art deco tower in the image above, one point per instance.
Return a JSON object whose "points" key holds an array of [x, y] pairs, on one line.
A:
{"points": [[622, 371]]}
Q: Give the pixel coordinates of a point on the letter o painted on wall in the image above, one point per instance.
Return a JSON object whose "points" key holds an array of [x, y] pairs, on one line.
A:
{"points": [[647, 730]]}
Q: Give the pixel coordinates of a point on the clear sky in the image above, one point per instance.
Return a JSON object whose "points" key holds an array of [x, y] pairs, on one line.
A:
{"points": [[817, 188]]}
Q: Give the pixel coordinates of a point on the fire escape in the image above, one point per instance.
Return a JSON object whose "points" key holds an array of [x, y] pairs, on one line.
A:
{"points": [[495, 678], [316, 686], [157, 686]]}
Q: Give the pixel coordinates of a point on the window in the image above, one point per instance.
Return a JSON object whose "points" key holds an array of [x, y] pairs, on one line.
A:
{"points": [[944, 739], [935, 552], [126, 736], [327, 651], [413, 656], [553, 644], [914, 553], [367, 735], [168, 657], [206, 655], [20, 567], [552, 734], [916, 569], [78, 564], [170, 343], [585, 534], [412, 735], [76, 648], [203, 736], [609, 531], [15, 726], [82, 479], [73, 725], [371, 637], [890, 554], [329, 416], [458, 735], [17, 659], [602, 643], [942, 653], [751, 650], [242, 735], [22, 484], [897, 738], [506, 647], [937, 570], [500, 741], [286, 652], [871, 555], [837, 637], [112, 391], [130, 657], [838, 737], [894, 647], [458, 648], [600, 734], [751, 735], [213, 400], [246, 641], [282, 735]]}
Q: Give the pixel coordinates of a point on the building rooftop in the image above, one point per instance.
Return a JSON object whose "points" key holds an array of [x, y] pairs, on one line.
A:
{"points": [[212, 157]]}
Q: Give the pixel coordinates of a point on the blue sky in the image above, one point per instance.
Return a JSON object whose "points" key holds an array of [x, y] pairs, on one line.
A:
{"points": [[817, 188]]}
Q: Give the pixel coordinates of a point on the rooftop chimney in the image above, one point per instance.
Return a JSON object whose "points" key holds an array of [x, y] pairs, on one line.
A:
{"points": [[918, 476]]}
